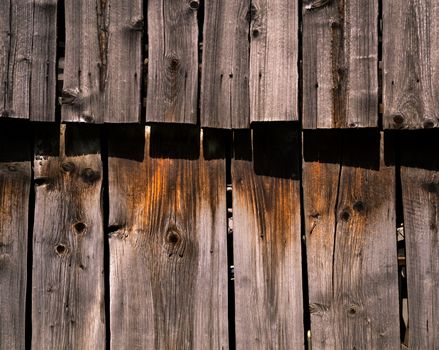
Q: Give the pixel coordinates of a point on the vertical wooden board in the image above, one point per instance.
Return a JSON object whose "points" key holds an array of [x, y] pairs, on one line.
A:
{"points": [[225, 100], [172, 88], [67, 276], [168, 253], [103, 61], [274, 60], [340, 64], [410, 76], [15, 180], [349, 208], [267, 239]]}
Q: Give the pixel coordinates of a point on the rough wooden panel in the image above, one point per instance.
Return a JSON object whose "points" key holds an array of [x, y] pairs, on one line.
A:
{"points": [[349, 208], [103, 61], [266, 239], [27, 59], [168, 254], [340, 62], [274, 60], [67, 276], [172, 61], [410, 61], [225, 100]]}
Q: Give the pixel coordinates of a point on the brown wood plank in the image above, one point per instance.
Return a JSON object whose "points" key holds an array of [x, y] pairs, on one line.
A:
{"points": [[225, 100], [267, 239], [340, 64], [168, 254], [274, 60], [103, 61], [411, 67], [172, 89], [349, 208], [67, 276]]}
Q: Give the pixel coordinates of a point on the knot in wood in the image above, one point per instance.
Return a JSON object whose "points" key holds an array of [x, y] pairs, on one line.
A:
{"points": [[428, 123], [345, 215], [194, 4], [88, 118], [172, 236], [90, 176], [67, 167], [79, 227], [398, 119], [61, 249], [359, 207]]}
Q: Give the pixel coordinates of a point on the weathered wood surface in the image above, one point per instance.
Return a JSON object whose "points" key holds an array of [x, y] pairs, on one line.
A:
{"points": [[172, 88], [274, 60], [420, 194], [103, 61], [267, 239], [410, 62], [340, 63], [168, 254], [15, 182], [67, 277], [27, 59], [225, 99], [349, 209]]}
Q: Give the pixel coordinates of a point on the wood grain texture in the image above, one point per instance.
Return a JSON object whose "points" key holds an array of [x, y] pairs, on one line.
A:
{"points": [[274, 60], [349, 209], [225, 99], [267, 239], [411, 68], [340, 64], [28, 59], [172, 89], [168, 253], [103, 61], [67, 276]]}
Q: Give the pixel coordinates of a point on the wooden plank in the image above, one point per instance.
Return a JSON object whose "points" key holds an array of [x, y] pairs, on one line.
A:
{"points": [[225, 99], [172, 61], [67, 276], [267, 239], [340, 64], [410, 76], [103, 61], [349, 209], [274, 60], [168, 229], [15, 180], [28, 59]]}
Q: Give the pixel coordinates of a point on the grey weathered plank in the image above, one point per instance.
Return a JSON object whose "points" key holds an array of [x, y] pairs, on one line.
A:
{"points": [[27, 59], [225, 99], [168, 231], [67, 276], [267, 240], [172, 88], [103, 61], [274, 60], [340, 62], [410, 63], [349, 209]]}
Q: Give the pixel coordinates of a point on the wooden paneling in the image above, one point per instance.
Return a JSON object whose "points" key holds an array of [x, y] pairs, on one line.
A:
{"points": [[340, 62]]}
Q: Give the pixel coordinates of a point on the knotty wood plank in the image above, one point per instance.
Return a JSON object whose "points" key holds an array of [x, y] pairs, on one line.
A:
{"points": [[67, 276], [172, 61], [340, 54], [168, 253], [267, 239], [410, 76], [274, 60], [225, 99], [349, 209], [103, 61]]}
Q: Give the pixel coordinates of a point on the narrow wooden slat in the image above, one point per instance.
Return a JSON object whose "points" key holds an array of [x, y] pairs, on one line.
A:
{"points": [[168, 254], [266, 239], [172, 61], [225, 100], [411, 67], [274, 60], [349, 208], [340, 64], [103, 61], [67, 276]]}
